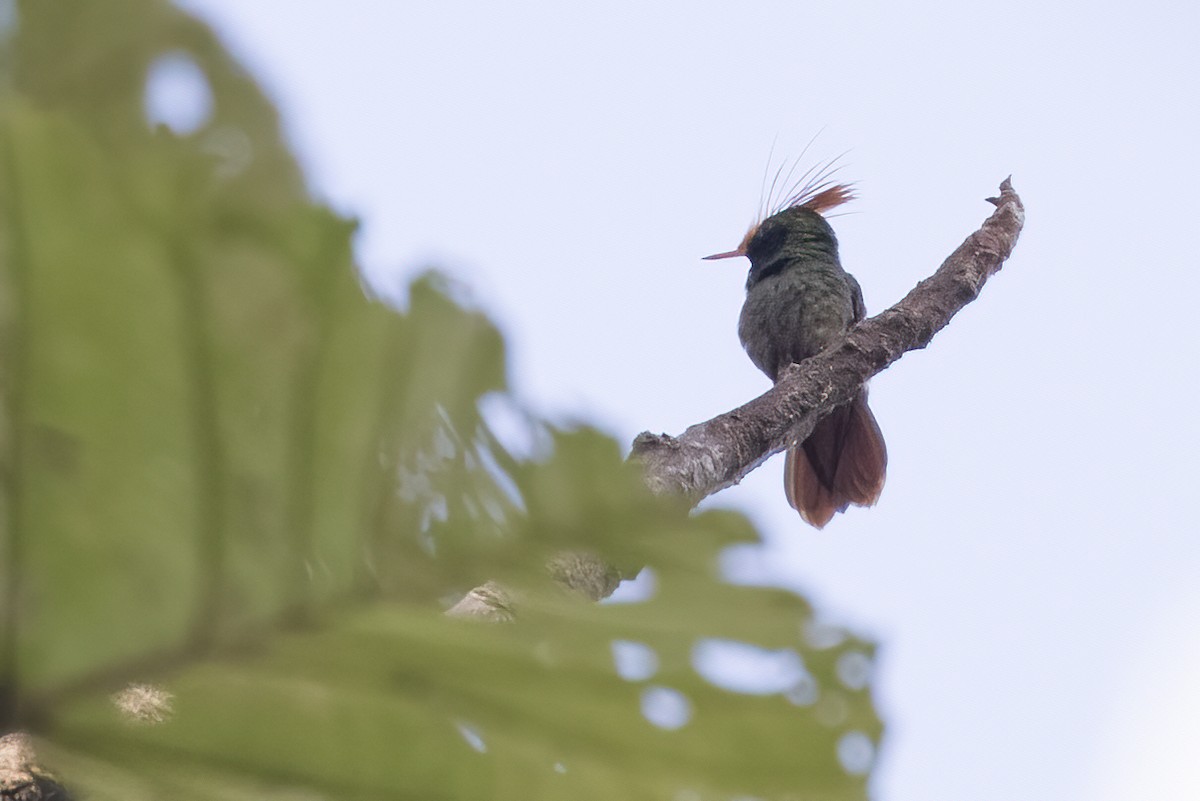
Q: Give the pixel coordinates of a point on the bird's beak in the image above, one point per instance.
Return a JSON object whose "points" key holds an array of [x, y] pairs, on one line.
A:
{"points": [[729, 255]]}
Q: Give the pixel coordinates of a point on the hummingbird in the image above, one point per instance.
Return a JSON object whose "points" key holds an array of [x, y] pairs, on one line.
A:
{"points": [[799, 301]]}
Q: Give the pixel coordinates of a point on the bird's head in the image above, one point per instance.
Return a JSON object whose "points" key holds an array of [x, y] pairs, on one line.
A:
{"points": [[796, 225]]}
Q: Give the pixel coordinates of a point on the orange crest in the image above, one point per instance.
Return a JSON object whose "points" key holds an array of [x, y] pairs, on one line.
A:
{"points": [[814, 190]]}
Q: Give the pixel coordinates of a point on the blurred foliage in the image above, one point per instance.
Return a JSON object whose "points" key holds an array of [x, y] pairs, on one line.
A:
{"points": [[228, 471]]}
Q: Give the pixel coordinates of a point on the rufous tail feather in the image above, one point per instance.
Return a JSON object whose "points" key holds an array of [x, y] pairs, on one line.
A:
{"points": [[843, 462]]}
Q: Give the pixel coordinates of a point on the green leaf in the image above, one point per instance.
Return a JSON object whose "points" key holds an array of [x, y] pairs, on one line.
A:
{"points": [[228, 471]]}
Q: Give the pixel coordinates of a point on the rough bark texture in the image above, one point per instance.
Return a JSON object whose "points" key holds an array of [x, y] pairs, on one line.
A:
{"points": [[20, 777], [584, 573], [576, 571], [716, 454], [711, 456], [489, 602]]}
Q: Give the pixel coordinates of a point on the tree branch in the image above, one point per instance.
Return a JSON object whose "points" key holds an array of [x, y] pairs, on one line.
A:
{"points": [[719, 453], [488, 601]]}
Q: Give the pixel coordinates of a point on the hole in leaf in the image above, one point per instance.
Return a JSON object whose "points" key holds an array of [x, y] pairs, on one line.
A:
{"points": [[666, 708], [8, 18], [178, 94], [854, 669], [745, 668], [856, 752], [472, 736], [504, 481], [805, 693], [636, 590], [743, 564], [634, 661], [822, 635], [514, 427]]}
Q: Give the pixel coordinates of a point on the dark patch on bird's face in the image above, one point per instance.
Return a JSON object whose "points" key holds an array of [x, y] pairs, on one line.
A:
{"points": [[787, 230], [795, 232], [766, 241]]}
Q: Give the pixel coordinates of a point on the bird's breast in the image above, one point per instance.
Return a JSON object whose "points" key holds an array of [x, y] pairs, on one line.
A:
{"points": [[794, 314]]}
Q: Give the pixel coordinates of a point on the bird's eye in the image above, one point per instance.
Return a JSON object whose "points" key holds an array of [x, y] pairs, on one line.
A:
{"points": [[763, 241]]}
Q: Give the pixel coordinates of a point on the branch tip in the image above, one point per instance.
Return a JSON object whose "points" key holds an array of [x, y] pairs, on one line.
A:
{"points": [[1007, 195], [646, 441]]}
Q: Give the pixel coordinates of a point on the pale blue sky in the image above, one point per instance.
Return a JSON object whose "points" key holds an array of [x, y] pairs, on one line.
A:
{"points": [[1033, 568]]}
